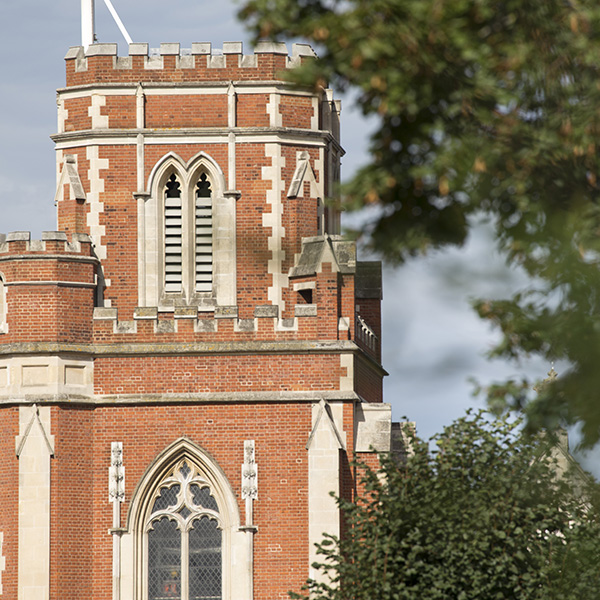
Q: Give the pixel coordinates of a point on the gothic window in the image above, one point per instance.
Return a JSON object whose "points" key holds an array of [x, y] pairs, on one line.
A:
{"points": [[187, 235], [184, 538]]}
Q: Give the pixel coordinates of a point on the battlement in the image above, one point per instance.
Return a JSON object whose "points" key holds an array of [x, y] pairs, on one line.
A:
{"points": [[18, 243], [47, 287], [170, 63]]}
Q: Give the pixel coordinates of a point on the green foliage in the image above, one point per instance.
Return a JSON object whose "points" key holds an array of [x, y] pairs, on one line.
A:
{"points": [[482, 107], [483, 516]]}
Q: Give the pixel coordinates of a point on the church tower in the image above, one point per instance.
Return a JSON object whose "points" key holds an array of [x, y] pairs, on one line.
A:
{"points": [[188, 366]]}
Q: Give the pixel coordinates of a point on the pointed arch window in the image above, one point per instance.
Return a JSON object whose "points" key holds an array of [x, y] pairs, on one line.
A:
{"points": [[187, 235], [184, 538]]}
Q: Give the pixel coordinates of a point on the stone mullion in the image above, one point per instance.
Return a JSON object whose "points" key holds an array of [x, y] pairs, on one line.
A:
{"points": [[185, 564]]}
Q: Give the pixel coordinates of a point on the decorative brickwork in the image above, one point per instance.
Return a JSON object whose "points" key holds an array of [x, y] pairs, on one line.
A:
{"points": [[200, 307]]}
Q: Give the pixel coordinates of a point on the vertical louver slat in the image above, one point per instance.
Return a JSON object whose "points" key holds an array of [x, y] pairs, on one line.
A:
{"points": [[204, 253], [173, 236]]}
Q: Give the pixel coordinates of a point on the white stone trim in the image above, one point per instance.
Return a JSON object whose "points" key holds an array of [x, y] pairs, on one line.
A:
{"points": [[319, 189], [34, 445], [274, 220], [314, 120], [69, 175], [241, 87], [140, 107], [62, 114], [231, 105], [231, 157], [347, 381], [45, 375], [97, 231], [99, 121], [324, 444], [275, 117], [304, 172], [140, 162], [373, 427], [196, 136]]}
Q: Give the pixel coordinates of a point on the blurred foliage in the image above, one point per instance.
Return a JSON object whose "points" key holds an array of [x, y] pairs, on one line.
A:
{"points": [[483, 515], [481, 107]]}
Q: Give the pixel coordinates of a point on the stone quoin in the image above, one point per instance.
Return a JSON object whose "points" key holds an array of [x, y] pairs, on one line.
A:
{"points": [[189, 365]]}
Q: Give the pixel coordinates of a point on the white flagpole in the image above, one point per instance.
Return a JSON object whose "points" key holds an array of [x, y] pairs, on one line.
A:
{"points": [[87, 23]]}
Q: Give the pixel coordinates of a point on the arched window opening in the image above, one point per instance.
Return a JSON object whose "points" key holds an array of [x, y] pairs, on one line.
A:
{"points": [[187, 232], [204, 229], [184, 538], [173, 236]]}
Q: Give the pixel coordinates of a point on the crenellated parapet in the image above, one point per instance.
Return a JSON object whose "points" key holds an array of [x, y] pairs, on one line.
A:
{"points": [[47, 287], [18, 244], [170, 63]]}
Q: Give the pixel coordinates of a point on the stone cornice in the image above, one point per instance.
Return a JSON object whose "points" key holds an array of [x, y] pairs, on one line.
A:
{"points": [[200, 398], [181, 348], [64, 257], [190, 349], [283, 135], [132, 87]]}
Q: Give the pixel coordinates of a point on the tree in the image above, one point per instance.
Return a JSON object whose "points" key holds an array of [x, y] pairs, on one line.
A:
{"points": [[483, 107], [482, 515]]}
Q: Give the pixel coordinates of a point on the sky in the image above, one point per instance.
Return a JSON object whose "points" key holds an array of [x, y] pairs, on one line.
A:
{"points": [[433, 342]]}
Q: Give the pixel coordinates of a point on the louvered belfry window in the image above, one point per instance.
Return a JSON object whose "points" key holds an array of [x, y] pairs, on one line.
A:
{"points": [[184, 539], [173, 236], [203, 226]]}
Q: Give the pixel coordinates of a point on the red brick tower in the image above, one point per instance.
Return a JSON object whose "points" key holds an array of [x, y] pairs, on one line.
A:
{"points": [[187, 368]]}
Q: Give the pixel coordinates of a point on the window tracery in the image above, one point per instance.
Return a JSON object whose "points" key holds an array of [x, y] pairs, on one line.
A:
{"points": [[184, 538]]}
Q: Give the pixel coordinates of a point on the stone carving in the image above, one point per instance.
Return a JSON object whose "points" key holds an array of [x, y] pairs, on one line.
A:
{"points": [[249, 472], [116, 473]]}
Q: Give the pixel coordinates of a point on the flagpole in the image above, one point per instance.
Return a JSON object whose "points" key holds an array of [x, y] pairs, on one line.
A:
{"points": [[87, 23]]}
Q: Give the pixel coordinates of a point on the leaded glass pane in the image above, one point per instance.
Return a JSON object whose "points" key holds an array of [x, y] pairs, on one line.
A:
{"points": [[205, 560], [164, 561], [201, 497], [185, 470], [168, 497], [185, 512]]}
